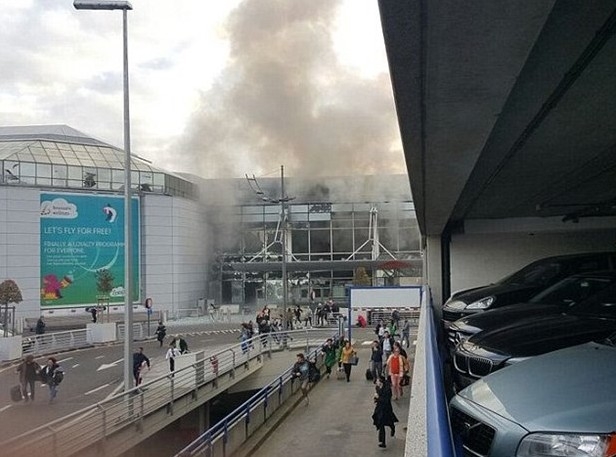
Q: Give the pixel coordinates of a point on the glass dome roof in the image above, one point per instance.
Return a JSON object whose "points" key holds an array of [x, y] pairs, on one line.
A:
{"points": [[60, 156]]}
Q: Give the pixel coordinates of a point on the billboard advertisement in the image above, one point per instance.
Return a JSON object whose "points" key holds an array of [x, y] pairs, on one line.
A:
{"points": [[82, 249]]}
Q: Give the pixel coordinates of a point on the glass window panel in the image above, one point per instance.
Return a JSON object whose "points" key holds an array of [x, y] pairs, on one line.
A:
{"points": [[319, 224], [319, 241], [389, 238], [63, 146], [27, 180], [340, 207], [361, 236], [146, 178], [271, 209], [104, 175], [27, 169], [25, 156], [74, 183], [248, 218], [42, 158], [253, 241], [298, 208], [159, 179], [342, 240], [36, 150], [11, 172], [298, 217], [117, 177], [59, 171], [319, 217], [43, 170], [100, 162], [49, 144], [94, 150], [43, 181], [342, 223], [75, 173], [299, 239]]}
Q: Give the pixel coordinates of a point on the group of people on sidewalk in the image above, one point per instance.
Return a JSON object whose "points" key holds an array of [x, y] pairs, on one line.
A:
{"points": [[30, 372]]}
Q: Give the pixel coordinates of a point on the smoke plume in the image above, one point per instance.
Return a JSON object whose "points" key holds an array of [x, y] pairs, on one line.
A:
{"points": [[284, 99]]}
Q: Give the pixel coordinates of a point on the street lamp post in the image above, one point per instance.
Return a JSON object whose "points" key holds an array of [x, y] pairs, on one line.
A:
{"points": [[128, 306]]}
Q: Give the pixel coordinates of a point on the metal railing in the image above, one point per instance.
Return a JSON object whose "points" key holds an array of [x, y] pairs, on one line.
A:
{"points": [[123, 412], [54, 342], [439, 440], [226, 436]]}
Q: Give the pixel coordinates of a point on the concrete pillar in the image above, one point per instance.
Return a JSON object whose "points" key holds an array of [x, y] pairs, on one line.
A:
{"points": [[433, 268], [204, 417]]}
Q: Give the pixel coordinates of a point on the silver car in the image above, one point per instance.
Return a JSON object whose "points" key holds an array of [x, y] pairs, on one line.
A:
{"points": [[560, 404]]}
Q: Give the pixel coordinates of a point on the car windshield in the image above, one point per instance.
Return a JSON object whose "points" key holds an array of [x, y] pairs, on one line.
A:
{"points": [[573, 290], [534, 274], [603, 304]]}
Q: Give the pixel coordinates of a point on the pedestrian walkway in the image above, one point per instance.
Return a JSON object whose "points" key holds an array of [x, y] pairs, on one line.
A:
{"points": [[336, 422]]}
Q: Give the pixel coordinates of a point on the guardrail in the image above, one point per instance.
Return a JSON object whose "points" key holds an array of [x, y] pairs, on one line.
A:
{"points": [[440, 441], [53, 342], [225, 437], [82, 429]]}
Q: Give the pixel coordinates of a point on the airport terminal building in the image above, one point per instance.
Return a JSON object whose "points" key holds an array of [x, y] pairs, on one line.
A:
{"points": [[62, 230]]}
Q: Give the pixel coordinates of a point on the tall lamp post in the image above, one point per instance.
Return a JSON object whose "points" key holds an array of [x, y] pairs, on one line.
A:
{"points": [[128, 306]]}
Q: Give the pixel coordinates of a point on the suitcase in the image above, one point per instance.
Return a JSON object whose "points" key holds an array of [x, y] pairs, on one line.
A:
{"points": [[16, 394], [369, 376], [340, 375]]}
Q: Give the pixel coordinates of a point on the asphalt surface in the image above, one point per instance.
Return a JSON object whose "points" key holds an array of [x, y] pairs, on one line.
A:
{"points": [[93, 374]]}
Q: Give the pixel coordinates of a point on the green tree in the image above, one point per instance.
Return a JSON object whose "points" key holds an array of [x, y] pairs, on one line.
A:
{"points": [[104, 281], [361, 277], [9, 293]]}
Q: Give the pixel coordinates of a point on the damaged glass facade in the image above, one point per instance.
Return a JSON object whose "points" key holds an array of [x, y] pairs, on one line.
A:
{"points": [[326, 242]]}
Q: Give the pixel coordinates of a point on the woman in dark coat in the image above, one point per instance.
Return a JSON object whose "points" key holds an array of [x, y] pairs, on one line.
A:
{"points": [[383, 415]]}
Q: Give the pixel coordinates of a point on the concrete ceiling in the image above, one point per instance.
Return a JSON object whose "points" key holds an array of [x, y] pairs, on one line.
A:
{"points": [[506, 108]]}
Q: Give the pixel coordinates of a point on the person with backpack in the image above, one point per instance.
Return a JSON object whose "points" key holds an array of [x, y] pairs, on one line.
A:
{"points": [[52, 375], [301, 370]]}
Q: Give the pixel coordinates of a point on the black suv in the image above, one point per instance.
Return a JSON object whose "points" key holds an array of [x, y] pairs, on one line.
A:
{"points": [[524, 284], [490, 350], [556, 299]]}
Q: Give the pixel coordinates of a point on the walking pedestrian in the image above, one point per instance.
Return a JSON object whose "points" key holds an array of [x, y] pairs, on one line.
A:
{"points": [[140, 361], [301, 371], [52, 375], [161, 332], [376, 360], [29, 372], [396, 364], [329, 356], [172, 353], [346, 358], [406, 333], [40, 326], [383, 415]]}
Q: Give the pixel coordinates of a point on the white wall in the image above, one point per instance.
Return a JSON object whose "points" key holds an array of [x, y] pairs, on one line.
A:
{"points": [[19, 245], [490, 250], [173, 252]]}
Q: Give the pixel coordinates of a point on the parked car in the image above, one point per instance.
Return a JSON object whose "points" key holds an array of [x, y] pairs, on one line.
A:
{"points": [[523, 284], [559, 404], [491, 350], [560, 297]]}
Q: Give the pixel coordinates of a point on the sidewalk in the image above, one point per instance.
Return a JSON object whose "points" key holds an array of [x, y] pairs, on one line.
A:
{"points": [[337, 422]]}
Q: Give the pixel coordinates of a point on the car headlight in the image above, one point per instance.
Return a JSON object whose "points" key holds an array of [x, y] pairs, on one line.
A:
{"points": [[570, 445], [481, 304], [455, 304]]}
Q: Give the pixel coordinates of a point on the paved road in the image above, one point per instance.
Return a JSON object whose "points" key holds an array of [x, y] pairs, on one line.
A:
{"points": [[91, 375]]}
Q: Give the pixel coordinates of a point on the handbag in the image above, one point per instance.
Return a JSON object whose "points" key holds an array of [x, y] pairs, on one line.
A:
{"points": [[354, 360]]}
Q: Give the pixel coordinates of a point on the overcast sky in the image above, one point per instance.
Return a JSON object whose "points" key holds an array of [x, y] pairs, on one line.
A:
{"points": [[217, 88]]}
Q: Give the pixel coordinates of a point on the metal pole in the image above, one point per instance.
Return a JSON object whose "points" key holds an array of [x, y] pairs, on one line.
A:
{"points": [[284, 247], [128, 276]]}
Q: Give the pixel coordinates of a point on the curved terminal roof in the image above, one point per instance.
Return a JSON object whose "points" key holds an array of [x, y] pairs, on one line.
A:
{"points": [[59, 156]]}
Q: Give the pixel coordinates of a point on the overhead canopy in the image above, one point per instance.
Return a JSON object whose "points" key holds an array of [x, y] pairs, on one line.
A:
{"points": [[506, 108]]}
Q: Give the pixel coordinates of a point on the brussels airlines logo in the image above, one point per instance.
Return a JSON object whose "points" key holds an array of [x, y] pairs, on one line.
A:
{"points": [[110, 213], [58, 208]]}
